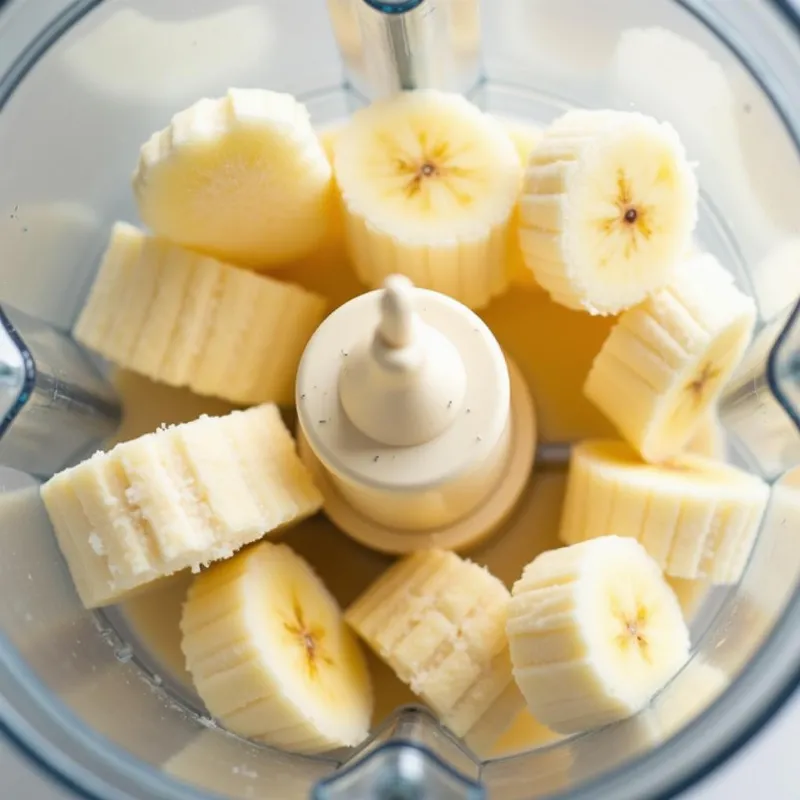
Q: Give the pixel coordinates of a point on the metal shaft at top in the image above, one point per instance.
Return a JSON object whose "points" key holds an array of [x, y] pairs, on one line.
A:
{"points": [[394, 45]]}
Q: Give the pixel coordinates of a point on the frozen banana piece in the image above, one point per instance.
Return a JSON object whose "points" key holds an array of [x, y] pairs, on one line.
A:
{"points": [[525, 136], [181, 497], [185, 319], [271, 656], [429, 183], [665, 362], [608, 204], [697, 517], [439, 622], [594, 633], [242, 178]]}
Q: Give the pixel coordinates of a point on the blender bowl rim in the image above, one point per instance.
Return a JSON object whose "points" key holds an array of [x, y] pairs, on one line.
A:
{"points": [[773, 654]]}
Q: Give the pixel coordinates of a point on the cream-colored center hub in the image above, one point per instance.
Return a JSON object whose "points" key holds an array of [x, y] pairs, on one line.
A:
{"points": [[417, 431]]}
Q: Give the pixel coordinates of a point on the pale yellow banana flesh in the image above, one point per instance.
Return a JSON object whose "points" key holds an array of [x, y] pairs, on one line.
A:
{"points": [[242, 178], [439, 622], [525, 137], [429, 184], [188, 320], [594, 632], [697, 517], [271, 656], [181, 497], [666, 361], [709, 438], [608, 204]]}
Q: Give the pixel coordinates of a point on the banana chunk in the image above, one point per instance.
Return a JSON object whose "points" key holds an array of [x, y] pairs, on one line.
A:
{"points": [[181, 497], [665, 362], [185, 319], [525, 136], [594, 633], [439, 622], [242, 178], [608, 205], [428, 183], [697, 517], [271, 656]]}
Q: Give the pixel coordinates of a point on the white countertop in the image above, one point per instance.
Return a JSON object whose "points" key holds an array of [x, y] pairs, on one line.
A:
{"points": [[766, 768]]}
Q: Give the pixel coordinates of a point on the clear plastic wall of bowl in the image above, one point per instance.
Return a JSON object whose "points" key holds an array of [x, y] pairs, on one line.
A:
{"points": [[85, 83]]}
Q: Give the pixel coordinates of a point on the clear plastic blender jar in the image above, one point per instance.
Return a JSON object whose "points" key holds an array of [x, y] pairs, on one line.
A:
{"points": [[84, 83]]}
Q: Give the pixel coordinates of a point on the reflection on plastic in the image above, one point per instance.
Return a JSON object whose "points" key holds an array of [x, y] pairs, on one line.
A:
{"points": [[133, 58], [60, 409], [754, 406], [399, 771], [220, 762], [431, 44]]}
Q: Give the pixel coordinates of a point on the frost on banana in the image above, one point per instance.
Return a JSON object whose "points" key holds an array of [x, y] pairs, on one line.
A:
{"points": [[666, 361], [429, 183], [594, 632], [185, 319], [243, 178], [608, 205], [697, 517], [181, 497], [439, 622], [271, 656]]}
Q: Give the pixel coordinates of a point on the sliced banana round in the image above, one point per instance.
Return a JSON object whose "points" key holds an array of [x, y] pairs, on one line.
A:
{"points": [[608, 205], [666, 361], [439, 622], [243, 178], [270, 655], [178, 498], [697, 517], [185, 319], [594, 633], [429, 183]]}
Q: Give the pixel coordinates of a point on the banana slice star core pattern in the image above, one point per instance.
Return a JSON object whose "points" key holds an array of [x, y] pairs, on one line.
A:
{"points": [[608, 205], [594, 632], [270, 654], [428, 184], [665, 362]]}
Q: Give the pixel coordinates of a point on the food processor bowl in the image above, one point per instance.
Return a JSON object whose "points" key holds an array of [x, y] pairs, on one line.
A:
{"points": [[84, 83]]}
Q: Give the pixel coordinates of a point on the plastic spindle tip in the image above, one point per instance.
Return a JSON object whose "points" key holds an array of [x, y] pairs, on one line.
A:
{"points": [[396, 328]]}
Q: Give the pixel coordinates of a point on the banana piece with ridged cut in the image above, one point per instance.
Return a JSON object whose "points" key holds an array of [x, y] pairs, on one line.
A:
{"points": [[697, 517], [181, 497], [428, 183], [525, 136], [608, 205], [666, 361], [185, 319], [439, 622], [270, 654], [242, 178], [594, 632]]}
